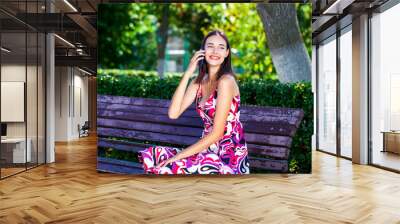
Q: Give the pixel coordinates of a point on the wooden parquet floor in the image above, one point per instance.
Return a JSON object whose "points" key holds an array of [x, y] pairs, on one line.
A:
{"points": [[71, 191]]}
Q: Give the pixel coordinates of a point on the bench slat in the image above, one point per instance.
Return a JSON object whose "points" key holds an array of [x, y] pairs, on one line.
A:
{"points": [[154, 118], [194, 121], [273, 140], [118, 166], [245, 109], [128, 167], [272, 151], [270, 111], [121, 145], [277, 127], [132, 100], [266, 120], [164, 128], [150, 127], [269, 164], [142, 109], [132, 110], [259, 139], [266, 150], [146, 136]]}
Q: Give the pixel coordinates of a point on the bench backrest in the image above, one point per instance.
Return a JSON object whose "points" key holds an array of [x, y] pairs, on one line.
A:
{"points": [[126, 123]]}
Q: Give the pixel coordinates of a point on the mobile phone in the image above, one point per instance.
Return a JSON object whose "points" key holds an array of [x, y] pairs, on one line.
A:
{"points": [[201, 62]]}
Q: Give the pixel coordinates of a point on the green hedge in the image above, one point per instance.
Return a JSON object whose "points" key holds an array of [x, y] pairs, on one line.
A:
{"points": [[261, 92]]}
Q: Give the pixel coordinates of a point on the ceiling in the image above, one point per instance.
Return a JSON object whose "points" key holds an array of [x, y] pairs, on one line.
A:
{"points": [[328, 16], [74, 22]]}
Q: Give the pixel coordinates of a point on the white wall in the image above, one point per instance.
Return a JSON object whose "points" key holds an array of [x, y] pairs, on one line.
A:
{"points": [[71, 94], [62, 81], [13, 72], [80, 110]]}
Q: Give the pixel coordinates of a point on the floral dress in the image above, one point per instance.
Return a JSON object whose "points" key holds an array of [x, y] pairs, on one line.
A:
{"points": [[227, 156]]}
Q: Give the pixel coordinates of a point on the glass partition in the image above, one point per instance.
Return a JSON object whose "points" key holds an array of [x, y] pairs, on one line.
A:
{"points": [[385, 89], [22, 91], [14, 145], [346, 92], [32, 96], [327, 95], [41, 90]]}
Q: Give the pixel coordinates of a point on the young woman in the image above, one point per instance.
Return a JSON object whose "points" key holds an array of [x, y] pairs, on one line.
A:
{"points": [[222, 148]]}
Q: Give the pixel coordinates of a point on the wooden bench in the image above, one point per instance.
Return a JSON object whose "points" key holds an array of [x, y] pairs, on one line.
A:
{"points": [[125, 123]]}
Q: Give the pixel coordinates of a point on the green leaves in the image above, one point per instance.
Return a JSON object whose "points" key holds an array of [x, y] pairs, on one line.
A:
{"points": [[128, 38], [304, 15], [123, 31]]}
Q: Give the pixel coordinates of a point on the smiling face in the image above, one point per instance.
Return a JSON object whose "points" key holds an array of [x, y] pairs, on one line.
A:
{"points": [[216, 50], [217, 56]]}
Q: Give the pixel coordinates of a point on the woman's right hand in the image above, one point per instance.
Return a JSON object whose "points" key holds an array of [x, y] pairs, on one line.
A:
{"points": [[199, 55]]}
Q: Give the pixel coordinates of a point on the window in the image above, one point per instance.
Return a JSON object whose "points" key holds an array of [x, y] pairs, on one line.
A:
{"points": [[346, 92], [327, 95], [385, 88]]}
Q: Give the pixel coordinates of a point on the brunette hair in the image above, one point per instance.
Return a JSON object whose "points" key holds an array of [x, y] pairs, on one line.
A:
{"points": [[226, 66]]}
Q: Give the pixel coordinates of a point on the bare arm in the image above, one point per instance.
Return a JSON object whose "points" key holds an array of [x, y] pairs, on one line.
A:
{"points": [[183, 98], [226, 87]]}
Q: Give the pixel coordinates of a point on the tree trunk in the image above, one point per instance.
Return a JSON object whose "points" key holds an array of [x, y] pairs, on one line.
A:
{"points": [[162, 39], [286, 45]]}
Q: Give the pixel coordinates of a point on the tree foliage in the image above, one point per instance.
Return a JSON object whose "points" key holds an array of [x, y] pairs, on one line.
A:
{"points": [[244, 30], [304, 16], [127, 36], [127, 33]]}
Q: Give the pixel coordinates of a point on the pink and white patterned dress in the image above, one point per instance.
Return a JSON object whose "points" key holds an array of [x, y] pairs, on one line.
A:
{"points": [[229, 155]]}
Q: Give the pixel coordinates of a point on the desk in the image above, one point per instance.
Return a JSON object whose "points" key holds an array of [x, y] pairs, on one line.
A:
{"points": [[16, 147], [391, 141]]}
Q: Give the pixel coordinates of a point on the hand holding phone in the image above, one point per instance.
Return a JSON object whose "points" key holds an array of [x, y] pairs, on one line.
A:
{"points": [[197, 59]]}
